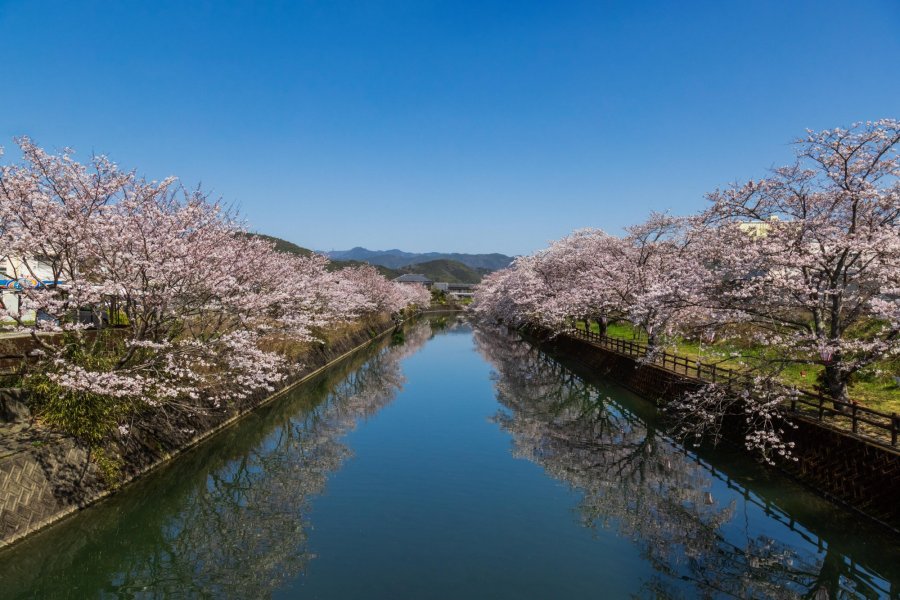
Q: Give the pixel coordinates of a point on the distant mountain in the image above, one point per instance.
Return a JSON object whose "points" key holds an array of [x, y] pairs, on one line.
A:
{"points": [[283, 245], [396, 259], [441, 269], [451, 271], [292, 248]]}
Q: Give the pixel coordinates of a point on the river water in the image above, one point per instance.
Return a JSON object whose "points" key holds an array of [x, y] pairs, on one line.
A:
{"points": [[462, 463]]}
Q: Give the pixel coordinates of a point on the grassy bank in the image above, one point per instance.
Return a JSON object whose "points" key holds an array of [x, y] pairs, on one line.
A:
{"points": [[873, 387]]}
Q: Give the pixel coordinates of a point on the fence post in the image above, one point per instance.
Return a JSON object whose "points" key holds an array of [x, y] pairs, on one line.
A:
{"points": [[821, 407], [855, 423], [895, 424]]}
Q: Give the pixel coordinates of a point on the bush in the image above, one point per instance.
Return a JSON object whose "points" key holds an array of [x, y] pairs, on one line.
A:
{"points": [[90, 418]]}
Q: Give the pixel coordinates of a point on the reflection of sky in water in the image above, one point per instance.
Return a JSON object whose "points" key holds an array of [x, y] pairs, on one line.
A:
{"points": [[396, 476]]}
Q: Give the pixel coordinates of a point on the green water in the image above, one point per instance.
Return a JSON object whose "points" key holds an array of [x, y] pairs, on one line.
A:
{"points": [[459, 464]]}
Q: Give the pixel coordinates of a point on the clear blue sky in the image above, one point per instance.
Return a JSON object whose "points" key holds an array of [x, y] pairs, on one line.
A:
{"points": [[474, 127]]}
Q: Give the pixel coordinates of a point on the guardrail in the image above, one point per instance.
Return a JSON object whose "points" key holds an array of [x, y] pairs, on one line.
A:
{"points": [[876, 426]]}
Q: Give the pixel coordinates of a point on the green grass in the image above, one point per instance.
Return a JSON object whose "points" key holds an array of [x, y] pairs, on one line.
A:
{"points": [[873, 390], [12, 324]]}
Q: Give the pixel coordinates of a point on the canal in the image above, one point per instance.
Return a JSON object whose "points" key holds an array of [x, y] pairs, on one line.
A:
{"points": [[461, 463]]}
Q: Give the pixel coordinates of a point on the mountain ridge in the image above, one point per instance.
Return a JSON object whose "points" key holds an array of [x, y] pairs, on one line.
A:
{"points": [[396, 258], [451, 271]]}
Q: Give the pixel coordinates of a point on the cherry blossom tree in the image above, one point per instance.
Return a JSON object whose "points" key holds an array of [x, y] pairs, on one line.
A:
{"points": [[497, 296], [647, 277], [800, 268], [809, 257], [196, 302], [571, 278], [383, 295], [664, 277], [574, 277]]}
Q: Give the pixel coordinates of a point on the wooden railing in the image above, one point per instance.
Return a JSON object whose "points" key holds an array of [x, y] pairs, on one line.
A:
{"points": [[876, 426]]}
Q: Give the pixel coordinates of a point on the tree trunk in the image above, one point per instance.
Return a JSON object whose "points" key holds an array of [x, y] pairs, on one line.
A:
{"points": [[603, 324], [828, 582], [651, 342], [835, 384]]}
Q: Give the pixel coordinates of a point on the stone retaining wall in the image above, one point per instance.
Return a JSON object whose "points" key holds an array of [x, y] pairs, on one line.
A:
{"points": [[845, 468], [12, 406], [46, 476]]}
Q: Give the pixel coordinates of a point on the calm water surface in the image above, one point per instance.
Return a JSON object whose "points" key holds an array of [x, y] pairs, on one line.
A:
{"points": [[460, 464]]}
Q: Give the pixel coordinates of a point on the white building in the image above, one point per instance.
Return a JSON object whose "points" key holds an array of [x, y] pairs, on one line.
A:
{"points": [[16, 273], [456, 290], [414, 279]]}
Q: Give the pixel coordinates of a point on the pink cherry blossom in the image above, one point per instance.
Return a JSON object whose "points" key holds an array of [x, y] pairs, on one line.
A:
{"points": [[193, 299]]}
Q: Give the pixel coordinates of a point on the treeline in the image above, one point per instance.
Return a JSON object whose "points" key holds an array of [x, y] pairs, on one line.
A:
{"points": [[802, 266]]}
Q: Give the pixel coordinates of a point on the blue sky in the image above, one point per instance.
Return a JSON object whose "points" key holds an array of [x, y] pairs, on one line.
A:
{"points": [[451, 126]]}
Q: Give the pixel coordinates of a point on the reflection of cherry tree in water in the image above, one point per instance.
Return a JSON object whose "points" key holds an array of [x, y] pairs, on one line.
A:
{"points": [[450, 323], [637, 480], [243, 532], [255, 509]]}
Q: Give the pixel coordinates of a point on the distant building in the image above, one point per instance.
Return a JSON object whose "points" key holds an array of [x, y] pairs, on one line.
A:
{"points": [[456, 290], [415, 279], [758, 228], [13, 268], [17, 273]]}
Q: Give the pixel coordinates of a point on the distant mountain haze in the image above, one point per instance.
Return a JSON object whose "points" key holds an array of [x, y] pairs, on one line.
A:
{"points": [[395, 259]]}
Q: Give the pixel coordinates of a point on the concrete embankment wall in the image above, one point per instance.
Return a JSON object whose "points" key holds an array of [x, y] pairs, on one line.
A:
{"points": [[46, 476], [847, 469]]}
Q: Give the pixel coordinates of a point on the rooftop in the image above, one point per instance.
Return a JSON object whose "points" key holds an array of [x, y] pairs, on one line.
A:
{"points": [[413, 278]]}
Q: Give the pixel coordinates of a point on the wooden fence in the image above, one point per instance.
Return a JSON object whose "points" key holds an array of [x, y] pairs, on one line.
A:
{"points": [[875, 426]]}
